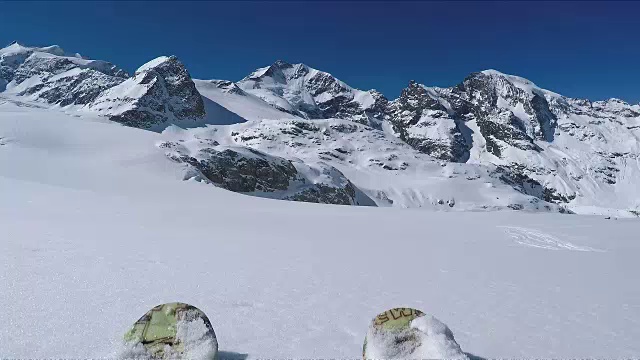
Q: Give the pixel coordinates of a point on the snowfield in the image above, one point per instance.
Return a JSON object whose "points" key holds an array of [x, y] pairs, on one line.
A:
{"points": [[97, 228]]}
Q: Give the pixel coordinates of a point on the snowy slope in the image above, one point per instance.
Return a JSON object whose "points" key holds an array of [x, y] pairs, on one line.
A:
{"points": [[387, 170], [246, 106], [247, 170], [96, 230]]}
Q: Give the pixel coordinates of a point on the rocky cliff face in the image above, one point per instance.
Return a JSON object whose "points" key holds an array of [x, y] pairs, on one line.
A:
{"points": [[247, 170], [506, 109], [422, 121], [556, 148], [49, 75], [160, 92]]}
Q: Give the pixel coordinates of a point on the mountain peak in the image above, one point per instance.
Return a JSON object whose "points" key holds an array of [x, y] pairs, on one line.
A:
{"points": [[155, 62], [512, 78], [617, 101], [16, 47], [161, 91], [281, 64], [413, 84], [273, 70], [52, 49], [499, 79], [493, 72]]}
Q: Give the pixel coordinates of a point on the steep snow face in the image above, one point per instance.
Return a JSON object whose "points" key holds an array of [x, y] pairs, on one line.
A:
{"points": [[562, 150], [313, 94], [160, 92], [244, 105]]}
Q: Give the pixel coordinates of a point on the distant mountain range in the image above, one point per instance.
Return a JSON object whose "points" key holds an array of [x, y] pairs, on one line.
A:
{"points": [[288, 131]]}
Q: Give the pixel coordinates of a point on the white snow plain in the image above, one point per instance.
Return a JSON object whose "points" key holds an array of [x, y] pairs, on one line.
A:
{"points": [[97, 228]]}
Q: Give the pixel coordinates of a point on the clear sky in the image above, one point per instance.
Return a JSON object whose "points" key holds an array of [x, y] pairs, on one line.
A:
{"points": [[579, 49]]}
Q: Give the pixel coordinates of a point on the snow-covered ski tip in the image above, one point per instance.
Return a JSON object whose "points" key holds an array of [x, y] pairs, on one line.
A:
{"points": [[406, 333], [182, 331], [171, 331]]}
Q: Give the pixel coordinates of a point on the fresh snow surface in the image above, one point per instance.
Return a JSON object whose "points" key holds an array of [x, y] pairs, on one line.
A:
{"points": [[97, 229], [244, 105], [17, 48], [152, 63]]}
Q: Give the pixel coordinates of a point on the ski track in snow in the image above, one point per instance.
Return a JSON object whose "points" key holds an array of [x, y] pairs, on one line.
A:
{"points": [[538, 239]]}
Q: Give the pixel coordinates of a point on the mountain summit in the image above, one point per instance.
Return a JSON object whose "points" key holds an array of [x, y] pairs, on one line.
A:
{"points": [[312, 94]]}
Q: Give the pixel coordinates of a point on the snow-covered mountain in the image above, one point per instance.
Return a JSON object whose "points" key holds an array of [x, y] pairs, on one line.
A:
{"points": [[559, 149], [494, 141], [567, 151], [160, 92], [313, 94], [49, 74]]}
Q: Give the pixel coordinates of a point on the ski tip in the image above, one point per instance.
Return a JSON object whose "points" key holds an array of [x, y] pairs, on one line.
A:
{"points": [[167, 331]]}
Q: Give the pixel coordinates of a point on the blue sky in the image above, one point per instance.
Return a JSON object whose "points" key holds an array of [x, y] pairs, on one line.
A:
{"points": [[579, 49]]}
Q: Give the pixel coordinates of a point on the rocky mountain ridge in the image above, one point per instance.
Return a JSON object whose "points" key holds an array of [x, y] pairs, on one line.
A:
{"points": [[313, 94], [565, 148], [160, 92], [501, 129]]}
